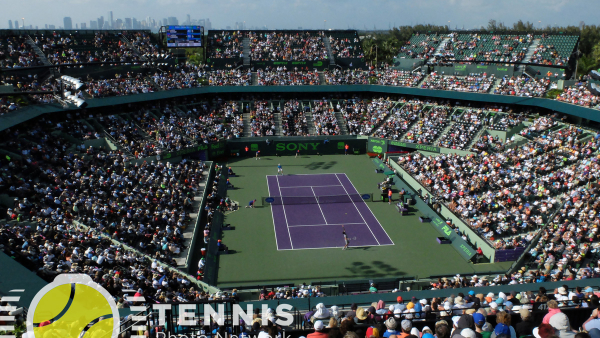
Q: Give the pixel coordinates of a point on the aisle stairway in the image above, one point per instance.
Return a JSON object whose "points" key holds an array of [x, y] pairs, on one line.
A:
{"points": [[342, 123], [329, 51], [529, 55], [247, 127], [246, 45]]}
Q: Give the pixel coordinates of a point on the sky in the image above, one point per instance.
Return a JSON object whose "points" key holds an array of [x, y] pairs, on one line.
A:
{"points": [[309, 14]]}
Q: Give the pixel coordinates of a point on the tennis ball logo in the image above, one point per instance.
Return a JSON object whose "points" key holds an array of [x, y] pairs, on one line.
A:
{"points": [[377, 149], [73, 306]]}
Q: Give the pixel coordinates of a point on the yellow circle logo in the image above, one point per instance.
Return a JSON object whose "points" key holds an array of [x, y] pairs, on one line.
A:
{"points": [[73, 306]]}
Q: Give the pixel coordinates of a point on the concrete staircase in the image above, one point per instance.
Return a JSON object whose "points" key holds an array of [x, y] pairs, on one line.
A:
{"points": [[278, 126], [254, 78], [329, 52], [311, 124], [496, 85], [322, 78], [441, 46], [246, 45], [247, 127], [342, 123], [40, 54], [529, 55]]}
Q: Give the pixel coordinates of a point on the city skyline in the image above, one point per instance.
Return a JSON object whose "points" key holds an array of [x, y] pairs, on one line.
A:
{"points": [[309, 14]]}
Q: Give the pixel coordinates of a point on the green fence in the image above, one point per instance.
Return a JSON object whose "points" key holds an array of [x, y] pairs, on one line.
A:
{"points": [[281, 146], [499, 71]]}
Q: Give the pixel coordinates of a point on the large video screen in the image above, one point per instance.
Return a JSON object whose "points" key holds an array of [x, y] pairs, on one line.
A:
{"points": [[184, 36]]}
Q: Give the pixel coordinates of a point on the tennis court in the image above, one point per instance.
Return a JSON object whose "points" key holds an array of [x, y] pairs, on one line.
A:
{"points": [[310, 210]]}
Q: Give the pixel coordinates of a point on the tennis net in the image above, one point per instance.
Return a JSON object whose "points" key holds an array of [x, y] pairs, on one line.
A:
{"points": [[291, 200]]}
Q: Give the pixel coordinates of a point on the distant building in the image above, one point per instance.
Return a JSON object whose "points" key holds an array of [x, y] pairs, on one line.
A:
{"points": [[93, 24], [10, 24], [68, 23], [16, 24], [172, 21], [128, 23], [51, 27], [83, 25], [110, 18]]}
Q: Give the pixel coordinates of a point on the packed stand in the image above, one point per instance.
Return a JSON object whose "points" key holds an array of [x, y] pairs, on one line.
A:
{"points": [[150, 50], [15, 52], [121, 85], [180, 77], [430, 125], [262, 119], [513, 192], [230, 78], [293, 119], [345, 77], [400, 78], [488, 144], [225, 45], [281, 76], [164, 131], [31, 83], [346, 47], [400, 120], [86, 48], [363, 116], [128, 136], [287, 46], [323, 116], [505, 121], [474, 83], [149, 214], [580, 95], [522, 86]]}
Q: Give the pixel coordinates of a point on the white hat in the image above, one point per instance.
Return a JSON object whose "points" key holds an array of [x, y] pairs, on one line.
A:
{"points": [[468, 333], [423, 301], [319, 325], [494, 305], [562, 290]]}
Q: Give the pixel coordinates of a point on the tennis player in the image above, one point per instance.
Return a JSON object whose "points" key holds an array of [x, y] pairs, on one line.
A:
{"points": [[279, 169], [346, 239]]}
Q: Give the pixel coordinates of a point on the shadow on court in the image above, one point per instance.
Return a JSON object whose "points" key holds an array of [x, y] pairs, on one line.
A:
{"points": [[374, 269], [320, 165]]}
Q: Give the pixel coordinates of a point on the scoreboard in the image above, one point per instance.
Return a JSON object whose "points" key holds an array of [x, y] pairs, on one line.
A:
{"points": [[185, 36]]}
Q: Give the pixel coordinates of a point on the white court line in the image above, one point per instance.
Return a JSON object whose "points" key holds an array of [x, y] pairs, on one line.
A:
{"points": [[284, 215], [361, 216], [313, 186], [353, 187], [272, 215], [314, 225], [317, 199], [333, 247]]}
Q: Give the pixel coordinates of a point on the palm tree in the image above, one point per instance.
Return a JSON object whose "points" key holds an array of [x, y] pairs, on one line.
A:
{"points": [[586, 64]]}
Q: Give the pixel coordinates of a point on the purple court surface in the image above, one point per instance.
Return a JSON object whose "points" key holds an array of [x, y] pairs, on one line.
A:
{"points": [[319, 225]]}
